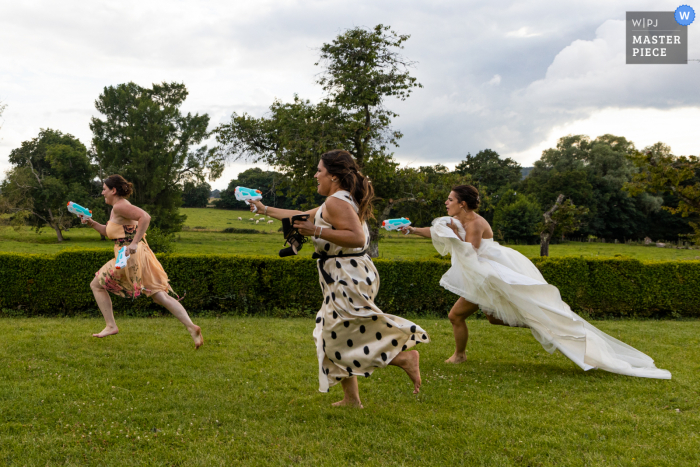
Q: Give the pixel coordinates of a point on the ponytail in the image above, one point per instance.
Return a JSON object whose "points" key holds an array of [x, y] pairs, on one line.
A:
{"points": [[341, 164]]}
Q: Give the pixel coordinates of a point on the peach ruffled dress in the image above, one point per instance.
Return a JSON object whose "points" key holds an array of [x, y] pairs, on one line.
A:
{"points": [[143, 272]]}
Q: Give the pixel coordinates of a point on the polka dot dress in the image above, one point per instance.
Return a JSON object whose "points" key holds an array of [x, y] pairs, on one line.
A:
{"points": [[353, 337]]}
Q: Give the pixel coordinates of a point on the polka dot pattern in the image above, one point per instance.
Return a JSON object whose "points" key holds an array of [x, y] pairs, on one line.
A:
{"points": [[352, 335]]}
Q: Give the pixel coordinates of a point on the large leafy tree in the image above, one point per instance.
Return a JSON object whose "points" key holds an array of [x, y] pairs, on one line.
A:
{"points": [[662, 172], [144, 136], [488, 169], [361, 68], [48, 171], [517, 217], [592, 173]]}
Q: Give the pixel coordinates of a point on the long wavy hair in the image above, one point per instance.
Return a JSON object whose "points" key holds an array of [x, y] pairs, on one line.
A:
{"points": [[341, 164]]}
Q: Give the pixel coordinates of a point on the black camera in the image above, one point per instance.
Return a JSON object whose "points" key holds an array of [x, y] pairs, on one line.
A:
{"points": [[292, 235]]}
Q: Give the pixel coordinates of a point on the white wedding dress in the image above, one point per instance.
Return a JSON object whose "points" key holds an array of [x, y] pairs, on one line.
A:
{"points": [[507, 286]]}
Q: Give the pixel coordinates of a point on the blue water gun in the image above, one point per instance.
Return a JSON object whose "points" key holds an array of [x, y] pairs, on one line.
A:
{"points": [[78, 210], [396, 224], [121, 258], [248, 195]]}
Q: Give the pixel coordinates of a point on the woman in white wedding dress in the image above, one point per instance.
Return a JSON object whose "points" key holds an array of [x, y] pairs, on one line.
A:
{"points": [[511, 291]]}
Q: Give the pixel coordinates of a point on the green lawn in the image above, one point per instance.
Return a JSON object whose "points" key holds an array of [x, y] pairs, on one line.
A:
{"points": [[249, 397], [203, 235]]}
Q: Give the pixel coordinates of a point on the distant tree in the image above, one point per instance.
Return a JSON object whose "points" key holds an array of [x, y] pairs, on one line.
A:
{"points": [[48, 171], [592, 173], [516, 217], [215, 193], [562, 218], [144, 137], [361, 69], [421, 192], [195, 195], [273, 185], [662, 172], [488, 169]]}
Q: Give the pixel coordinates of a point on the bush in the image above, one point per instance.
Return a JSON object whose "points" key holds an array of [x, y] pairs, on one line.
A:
{"points": [[51, 285], [235, 230], [160, 241]]}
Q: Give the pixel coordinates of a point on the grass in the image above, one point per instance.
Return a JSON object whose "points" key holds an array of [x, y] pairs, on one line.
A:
{"points": [[249, 397], [203, 236]]}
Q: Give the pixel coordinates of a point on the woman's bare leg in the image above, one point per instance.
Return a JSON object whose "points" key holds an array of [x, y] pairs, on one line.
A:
{"points": [[105, 305], [410, 363], [174, 307], [351, 393], [461, 310]]}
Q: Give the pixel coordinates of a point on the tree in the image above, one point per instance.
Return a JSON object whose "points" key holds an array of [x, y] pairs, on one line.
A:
{"points": [[272, 184], [145, 138], [592, 173], [516, 217], [361, 69], [488, 169], [562, 218], [421, 192], [48, 171], [661, 171], [195, 195]]}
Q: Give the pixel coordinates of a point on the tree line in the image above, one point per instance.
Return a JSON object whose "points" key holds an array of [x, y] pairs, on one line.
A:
{"points": [[602, 187]]}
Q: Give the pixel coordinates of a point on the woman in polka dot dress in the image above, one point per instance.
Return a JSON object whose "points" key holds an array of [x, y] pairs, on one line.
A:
{"points": [[353, 337]]}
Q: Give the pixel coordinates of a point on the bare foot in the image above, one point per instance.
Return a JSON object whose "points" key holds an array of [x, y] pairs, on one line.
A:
{"points": [[348, 403], [196, 333], [457, 358], [107, 331], [410, 363]]}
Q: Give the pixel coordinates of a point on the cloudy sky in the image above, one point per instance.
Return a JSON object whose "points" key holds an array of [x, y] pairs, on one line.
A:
{"points": [[506, 75]]}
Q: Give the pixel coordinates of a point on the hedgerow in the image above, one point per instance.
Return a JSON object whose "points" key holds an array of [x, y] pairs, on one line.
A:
{"points": [[58, 285]]}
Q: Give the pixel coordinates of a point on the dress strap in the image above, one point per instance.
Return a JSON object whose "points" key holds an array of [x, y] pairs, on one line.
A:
{"points": [[346, 196]]}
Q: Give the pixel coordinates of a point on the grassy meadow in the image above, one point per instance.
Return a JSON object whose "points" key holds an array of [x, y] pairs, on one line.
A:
{"points": [[250, 397], [203, 235]]}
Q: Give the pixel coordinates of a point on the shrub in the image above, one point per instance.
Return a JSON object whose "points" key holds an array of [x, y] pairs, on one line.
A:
{"points": [[226, 284], [160, 241]]}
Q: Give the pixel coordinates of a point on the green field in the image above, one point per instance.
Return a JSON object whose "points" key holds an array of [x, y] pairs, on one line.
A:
{"points": [[249, 397], [203, 234]]}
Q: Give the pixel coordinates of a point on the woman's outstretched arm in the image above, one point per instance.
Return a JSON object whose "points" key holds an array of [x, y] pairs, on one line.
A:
{"points": [[278, 213], [420, 231], [101, 229]]}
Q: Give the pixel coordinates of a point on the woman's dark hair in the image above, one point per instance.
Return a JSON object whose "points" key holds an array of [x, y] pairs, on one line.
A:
{"points": [[469, 195], [340, 163], [124, 188]]}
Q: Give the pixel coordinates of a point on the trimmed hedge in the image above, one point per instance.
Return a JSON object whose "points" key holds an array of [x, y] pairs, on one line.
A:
{"points": [[58, 284]]}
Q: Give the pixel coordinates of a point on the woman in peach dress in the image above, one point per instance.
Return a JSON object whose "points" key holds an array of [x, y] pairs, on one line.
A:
{"points": [[143, 273]]}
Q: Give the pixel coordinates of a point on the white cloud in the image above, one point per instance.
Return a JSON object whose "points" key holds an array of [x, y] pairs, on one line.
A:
{"points": [[523, 32], [495, 81]]}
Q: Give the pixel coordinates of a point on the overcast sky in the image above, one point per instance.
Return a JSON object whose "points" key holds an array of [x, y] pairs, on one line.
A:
{"points": [[510, 76]]}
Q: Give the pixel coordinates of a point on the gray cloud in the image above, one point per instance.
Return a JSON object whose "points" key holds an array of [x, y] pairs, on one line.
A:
{"points": [[555, 62]]}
